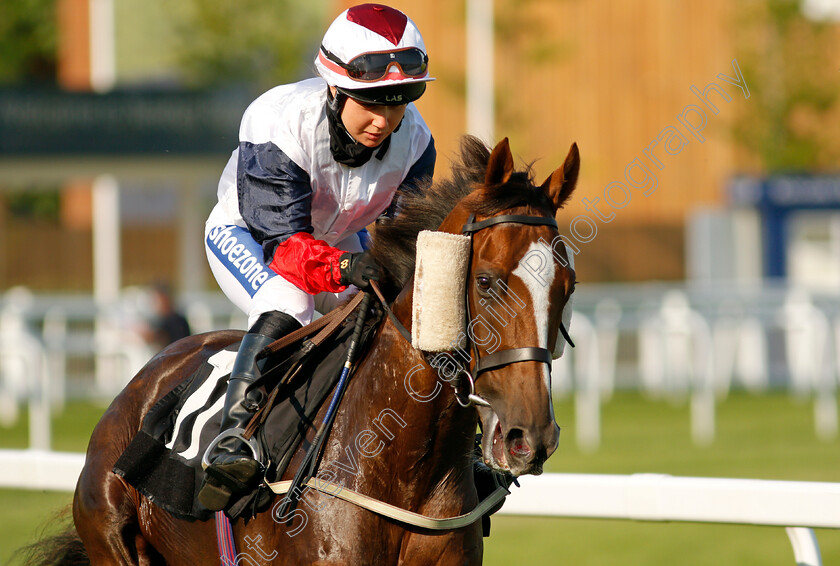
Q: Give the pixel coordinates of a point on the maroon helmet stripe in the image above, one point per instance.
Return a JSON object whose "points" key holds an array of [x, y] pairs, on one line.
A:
{"points": [[387, 22]]}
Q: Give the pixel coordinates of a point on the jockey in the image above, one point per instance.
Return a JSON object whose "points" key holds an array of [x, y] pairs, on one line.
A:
{"points": [[317, 161]]}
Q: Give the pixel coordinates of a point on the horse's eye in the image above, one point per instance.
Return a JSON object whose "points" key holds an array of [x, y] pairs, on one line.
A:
{"points": [[483, 282]]}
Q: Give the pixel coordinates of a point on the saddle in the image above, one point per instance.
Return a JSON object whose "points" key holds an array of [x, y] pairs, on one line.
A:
{"points": [[163, 460]]}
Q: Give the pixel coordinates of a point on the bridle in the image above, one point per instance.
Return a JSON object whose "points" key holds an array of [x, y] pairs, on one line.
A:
{"points": [[498, 358], [489, 362]]}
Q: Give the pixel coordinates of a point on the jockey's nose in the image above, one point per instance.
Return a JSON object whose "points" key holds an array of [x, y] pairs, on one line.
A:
{"points": [[381, 118]]}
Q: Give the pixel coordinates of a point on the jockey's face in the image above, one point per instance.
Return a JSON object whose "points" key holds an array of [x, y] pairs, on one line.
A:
{"points": [[370, 124]]}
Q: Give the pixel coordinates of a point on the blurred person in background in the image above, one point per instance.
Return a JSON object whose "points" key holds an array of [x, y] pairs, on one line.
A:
{"points": [[168, 324], [317, 162]]}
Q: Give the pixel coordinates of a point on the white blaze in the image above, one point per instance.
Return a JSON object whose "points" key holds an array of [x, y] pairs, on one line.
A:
{"points": [[536, 269]]}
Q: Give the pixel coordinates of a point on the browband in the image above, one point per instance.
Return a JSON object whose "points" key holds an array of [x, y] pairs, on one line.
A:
{"points": [[471, 227]]}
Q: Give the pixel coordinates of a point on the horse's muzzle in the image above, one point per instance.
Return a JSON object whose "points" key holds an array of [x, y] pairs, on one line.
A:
{"points": [[518, 449], [528, 449]]}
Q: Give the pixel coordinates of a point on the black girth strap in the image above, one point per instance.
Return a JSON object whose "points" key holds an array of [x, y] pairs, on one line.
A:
{"points": [[505, 357], [471, 226]]}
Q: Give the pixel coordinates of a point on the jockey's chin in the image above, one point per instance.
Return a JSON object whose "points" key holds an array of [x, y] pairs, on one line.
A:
{"points": [[370, 124], [371, 139]]}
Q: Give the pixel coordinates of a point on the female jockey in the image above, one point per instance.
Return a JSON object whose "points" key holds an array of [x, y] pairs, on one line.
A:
{"points": [[317, 161]]}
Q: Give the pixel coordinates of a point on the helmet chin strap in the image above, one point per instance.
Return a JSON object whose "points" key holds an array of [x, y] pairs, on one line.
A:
{"points": [[343, 146], [335, 102]]}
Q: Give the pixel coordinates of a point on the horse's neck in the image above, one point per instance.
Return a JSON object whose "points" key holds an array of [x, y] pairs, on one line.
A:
{"points": [[427, 436]]}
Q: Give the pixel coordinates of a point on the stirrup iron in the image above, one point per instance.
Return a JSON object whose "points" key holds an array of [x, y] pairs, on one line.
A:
{"points": [[251, 443]]}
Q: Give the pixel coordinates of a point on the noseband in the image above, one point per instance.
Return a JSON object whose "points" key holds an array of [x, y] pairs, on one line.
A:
{"points": [[498, 358]]}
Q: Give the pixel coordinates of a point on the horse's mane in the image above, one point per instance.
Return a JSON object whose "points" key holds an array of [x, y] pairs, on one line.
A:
{"points": [[394, 239]]}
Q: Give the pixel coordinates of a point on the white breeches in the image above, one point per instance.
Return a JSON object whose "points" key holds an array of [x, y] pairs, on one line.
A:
{"points": [[236, 261]]}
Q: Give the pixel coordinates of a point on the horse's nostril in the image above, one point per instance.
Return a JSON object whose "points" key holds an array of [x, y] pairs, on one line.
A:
{"points": [[517, 443]]}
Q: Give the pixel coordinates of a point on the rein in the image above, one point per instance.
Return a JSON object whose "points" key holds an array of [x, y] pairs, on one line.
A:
{"points": [[492, 361], [359, 499], [326, 324], [393, 512]]}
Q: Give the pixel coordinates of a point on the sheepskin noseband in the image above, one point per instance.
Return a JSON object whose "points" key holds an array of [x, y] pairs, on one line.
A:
{"points": [[440, 277]]}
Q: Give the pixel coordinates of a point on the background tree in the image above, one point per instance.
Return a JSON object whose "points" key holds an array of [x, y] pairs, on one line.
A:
{"points": [[790, 64], [28, 34], [253, 41]]}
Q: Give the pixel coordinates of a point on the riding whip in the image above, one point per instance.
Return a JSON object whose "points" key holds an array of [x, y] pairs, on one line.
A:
{"points": [[307, 467]]}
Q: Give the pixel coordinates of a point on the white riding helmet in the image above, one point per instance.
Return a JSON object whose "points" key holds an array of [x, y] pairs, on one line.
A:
{"points": [[374, 53]]}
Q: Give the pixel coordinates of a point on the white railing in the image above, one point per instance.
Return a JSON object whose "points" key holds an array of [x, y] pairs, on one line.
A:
{"points": [[669, 340], [40, 469], [74, 339], [45, 340], [680, 341], [798, 506]]}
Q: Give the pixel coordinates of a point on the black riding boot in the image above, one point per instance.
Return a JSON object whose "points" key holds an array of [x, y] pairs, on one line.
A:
{"points": [[232, 468]]}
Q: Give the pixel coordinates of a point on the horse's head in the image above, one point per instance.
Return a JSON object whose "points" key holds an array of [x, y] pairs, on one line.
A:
{"points": [[520, 279], [518, 282]]}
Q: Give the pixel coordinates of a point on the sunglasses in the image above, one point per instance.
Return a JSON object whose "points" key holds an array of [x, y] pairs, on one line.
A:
{"points": [[373, 66]]}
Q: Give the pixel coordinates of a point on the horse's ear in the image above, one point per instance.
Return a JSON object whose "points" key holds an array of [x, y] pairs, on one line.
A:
{"points": [[561, 183], [500, 165]]}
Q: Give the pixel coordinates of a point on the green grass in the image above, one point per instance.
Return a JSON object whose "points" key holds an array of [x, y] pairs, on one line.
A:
{"points": [[525, 540], [769, 437], [766, 437], [71, 428], [25, 514]]}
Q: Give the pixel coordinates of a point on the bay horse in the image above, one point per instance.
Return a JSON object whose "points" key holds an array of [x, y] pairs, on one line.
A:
{"points": [[424, 437]]}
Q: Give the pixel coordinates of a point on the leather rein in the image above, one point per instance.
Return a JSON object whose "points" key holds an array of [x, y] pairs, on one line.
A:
{"points": [[492, 361]]}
